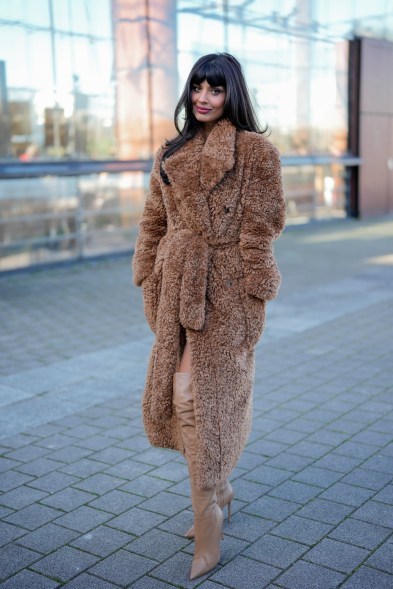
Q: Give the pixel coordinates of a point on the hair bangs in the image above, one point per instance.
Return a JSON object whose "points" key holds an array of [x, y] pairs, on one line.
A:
{"points": [[210, 71]]}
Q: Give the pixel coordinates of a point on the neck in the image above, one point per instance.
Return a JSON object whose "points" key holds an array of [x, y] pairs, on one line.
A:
{"points": [[207, 128]]}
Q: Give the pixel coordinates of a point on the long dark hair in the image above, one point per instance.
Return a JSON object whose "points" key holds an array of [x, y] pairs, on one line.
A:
{"points": [[219, 69]]}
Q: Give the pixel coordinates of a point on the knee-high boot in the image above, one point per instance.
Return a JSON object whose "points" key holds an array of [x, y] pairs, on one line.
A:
{"points": [[208, 515], [225, 495]]}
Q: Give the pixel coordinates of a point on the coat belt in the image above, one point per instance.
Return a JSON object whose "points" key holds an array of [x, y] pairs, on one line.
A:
{"points": [[189, 253]]}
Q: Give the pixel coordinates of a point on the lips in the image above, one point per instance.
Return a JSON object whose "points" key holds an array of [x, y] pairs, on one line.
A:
{"points": [[203, 111]]}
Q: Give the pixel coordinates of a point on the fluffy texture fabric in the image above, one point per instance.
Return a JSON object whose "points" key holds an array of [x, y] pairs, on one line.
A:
{"points": [[204, 259]]}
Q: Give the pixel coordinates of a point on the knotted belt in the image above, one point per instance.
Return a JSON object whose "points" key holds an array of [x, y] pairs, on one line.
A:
{"points": [[185, 255]]}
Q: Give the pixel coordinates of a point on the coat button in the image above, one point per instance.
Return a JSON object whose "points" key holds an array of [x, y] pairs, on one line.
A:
{"points": [[226, 209]]}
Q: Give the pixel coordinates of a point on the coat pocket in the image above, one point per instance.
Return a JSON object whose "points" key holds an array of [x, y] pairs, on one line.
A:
{"points": [[151, 288]]}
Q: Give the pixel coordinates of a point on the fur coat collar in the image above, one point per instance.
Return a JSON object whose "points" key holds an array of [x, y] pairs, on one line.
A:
{"points": [[197, 168]]}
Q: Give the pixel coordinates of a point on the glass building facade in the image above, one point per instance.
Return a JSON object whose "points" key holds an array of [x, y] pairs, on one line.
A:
{"points": [[88, 89]]}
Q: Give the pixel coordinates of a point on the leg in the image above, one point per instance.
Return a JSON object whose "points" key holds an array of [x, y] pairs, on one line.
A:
{"points": [[185, 362], [207, 514]]}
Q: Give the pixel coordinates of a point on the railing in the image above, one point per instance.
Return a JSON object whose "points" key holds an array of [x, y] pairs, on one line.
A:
{"points": [[66, 210]]}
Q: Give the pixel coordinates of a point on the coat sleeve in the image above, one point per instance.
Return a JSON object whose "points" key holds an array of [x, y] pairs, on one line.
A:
{"points": [[152, 227], [262, 223]]}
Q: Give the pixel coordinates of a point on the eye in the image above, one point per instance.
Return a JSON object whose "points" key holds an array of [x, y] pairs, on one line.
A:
{"points": [[195, 88], [216, 91]]}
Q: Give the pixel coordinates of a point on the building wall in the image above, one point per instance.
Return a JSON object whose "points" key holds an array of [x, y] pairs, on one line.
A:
{"points": [[88, 89]]}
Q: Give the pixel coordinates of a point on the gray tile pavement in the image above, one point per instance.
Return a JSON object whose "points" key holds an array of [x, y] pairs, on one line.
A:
{"points": [[85, 502]]}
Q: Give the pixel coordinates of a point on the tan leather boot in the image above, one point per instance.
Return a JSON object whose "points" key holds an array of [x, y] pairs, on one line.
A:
{"points": [[208, 515], [225, 495]]}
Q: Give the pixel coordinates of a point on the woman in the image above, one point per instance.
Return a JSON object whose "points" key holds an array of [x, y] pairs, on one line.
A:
{"points": [[204, 259]]}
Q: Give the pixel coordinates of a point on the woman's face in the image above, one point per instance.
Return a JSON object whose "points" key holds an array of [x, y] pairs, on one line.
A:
{"points": [[207, 102]]}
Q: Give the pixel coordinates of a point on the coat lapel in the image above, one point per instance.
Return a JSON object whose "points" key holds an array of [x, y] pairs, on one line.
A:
{"points": [[218, 156], [197, 168]]}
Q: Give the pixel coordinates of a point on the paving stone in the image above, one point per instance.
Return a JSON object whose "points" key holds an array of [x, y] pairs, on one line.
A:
{"points": [[375, 513], [285, 435], [68, 499], [305, 575], [9, 533], [310, 449], [39, 467], [146, 485], [271, 508], [267, 475], [247, 490], [29, 580], [367, 479], [380, 463], [245, 573], [33, 516], [249, 460], [21, 497], [97, 442], [374, 438], [102, 541], [337, 555], [230, 548], [100, 483], [275, 551], [151, 583], [368, 578], [112, 455], [56, 442], [174, 471], [294, 491], [338, 463], [357, 450], [328, 512], [155, 456], [176, 571], [136, 521], [304, 425], [83, 519], [48, 538], [13, 558], [385, 496], [382, 559], [4, 511], [19, 440], [157, 545], [317, 476], [11, 479], [302, 530], [179, 523], [64, 563], [347, 494], [84, 431], [116, 502], [130, 469], [83, 468], [268, 448], [246, 527], [360, 533], [86, 581], [7, 464], [123, 567], [166, 503], [27, 453], [329, 437], [291, 462], [53, 482]]}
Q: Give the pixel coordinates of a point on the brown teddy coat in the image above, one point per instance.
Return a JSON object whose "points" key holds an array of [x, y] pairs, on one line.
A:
{"points": [[204, 258]]}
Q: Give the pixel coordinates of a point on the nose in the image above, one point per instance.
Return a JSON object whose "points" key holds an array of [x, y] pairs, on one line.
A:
{"points": [[203, 96]]}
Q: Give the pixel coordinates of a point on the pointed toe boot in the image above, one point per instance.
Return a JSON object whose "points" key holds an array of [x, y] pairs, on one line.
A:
{"points": [[208, 516]]}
